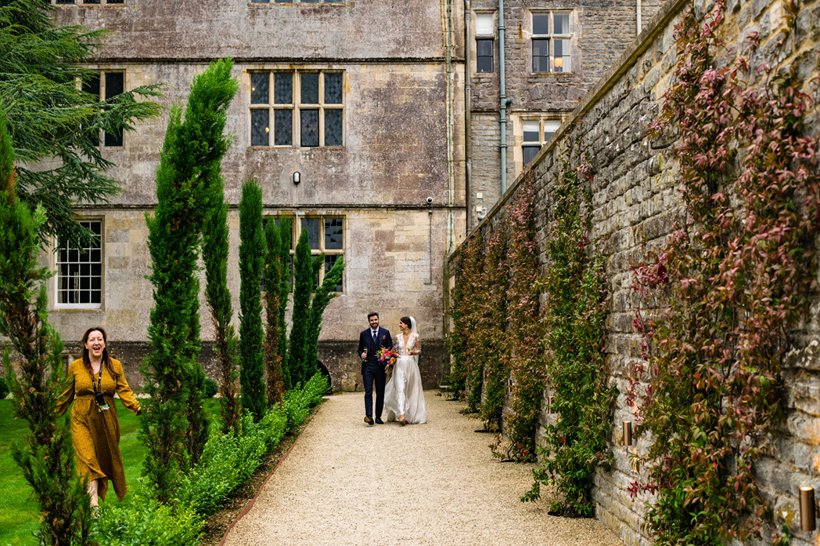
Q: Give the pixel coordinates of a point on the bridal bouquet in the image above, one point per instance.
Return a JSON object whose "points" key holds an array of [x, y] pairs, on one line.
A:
{"points": [[387, 356]]}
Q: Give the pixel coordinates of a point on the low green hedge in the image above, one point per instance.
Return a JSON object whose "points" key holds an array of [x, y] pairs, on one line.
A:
{"points": [[228, 461], [147, 522]]}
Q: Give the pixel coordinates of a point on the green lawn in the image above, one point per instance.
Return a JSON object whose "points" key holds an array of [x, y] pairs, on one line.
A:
{"points": [[18, 507]]}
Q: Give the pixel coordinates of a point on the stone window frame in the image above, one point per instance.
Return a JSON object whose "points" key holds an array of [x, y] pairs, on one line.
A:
{"points": [[69, 265], [88, 2], [551, 36], [296, 107], [319, 246], [519, 123], [105, 139], [484, 36]]}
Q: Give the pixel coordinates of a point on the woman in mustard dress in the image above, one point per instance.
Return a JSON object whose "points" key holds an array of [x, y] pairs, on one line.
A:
{"points": [[95, 430]]}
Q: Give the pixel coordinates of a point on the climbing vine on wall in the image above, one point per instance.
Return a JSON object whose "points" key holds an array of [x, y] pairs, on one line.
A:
{"points": [[576, 310], [496, 326], [467, 322], [731, 279], [524, 330], [488, 338]]}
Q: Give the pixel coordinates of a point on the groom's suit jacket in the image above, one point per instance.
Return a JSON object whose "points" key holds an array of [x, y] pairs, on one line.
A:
{"points": [[366, 343]]}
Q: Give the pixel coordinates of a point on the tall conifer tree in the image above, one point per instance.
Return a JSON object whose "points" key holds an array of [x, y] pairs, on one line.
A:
{"points": [[45, 455], [285, 243], [215, 256], [302, 288], [322, 297], [215, 241], [274, 279], [174, 427], [251, 262], [51, 118]]}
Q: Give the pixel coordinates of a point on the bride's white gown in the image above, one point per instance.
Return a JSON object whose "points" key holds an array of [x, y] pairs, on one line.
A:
{"points": [[404, 394]]}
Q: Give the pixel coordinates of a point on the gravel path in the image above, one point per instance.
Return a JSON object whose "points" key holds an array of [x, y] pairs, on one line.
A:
{"points": [[438, 483]]}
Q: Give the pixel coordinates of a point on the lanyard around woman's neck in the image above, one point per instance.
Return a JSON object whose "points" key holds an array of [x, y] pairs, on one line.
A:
{"points": [[98, 385]]}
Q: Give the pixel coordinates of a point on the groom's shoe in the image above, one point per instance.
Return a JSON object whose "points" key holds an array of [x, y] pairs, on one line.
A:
{"points": [[368, 420], [379, 421]]}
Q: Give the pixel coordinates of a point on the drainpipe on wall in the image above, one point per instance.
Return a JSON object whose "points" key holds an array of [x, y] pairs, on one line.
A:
{"points": [[450, 128], [638, 11], [468, 167], [502, 91]]}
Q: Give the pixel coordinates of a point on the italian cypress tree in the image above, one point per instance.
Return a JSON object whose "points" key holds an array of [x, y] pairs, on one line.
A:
{"points": [[45, 455], [302, 288], [174, 427], [274, 279], [285, 242], [251, 262], [215, 243], [215, 240], [51, 118], [322, 297]]}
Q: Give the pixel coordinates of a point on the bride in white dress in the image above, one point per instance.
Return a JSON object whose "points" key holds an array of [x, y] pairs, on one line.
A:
{"points": [[404, 394]]}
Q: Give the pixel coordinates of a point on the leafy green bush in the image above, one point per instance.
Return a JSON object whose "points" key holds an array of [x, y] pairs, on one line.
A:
{"points": [[229, 460], [296, 408], [297, 403], [146, 522], [209, 388], [273, 427], [315, 389]]}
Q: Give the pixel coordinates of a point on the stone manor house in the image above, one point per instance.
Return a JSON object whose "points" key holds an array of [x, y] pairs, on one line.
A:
{"points": [[385, 128]]}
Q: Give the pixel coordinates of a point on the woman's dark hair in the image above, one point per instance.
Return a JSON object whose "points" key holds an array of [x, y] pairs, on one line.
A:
{"points": [[406, 320], [106, 360]]}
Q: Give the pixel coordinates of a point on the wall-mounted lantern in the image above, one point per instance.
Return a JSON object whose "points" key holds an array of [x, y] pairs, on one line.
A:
{"points": [[808, 509], [297, 177], [627, 436]]}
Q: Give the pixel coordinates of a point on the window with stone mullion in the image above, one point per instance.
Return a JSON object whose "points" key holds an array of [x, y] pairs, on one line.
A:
{"points": [[551, 42], [105, 85], [325, 237], [305, 106], [79, 270], [536, 133], [484, 43]]}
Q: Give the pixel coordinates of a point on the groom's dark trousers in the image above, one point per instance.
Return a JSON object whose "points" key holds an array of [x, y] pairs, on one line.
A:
{"points": [[372, 369]]}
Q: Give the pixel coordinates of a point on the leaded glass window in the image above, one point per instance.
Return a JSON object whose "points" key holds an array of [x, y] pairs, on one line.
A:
{"points": [[308, 108]]}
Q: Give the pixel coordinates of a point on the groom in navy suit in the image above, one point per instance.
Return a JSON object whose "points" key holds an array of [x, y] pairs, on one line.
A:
{"points": [[370, 341]]}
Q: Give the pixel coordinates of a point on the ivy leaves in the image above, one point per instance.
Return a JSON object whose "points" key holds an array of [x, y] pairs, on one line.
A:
{"points": [[735, 275]]}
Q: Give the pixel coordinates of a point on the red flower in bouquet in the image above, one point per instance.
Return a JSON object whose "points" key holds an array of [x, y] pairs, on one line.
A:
{"points": [[387, 356]]}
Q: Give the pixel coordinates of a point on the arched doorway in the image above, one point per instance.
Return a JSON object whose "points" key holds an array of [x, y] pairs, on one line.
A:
{"points": [[325, 372]]}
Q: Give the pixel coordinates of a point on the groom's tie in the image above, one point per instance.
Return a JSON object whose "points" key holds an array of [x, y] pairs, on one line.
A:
{"points": [[374, 336]]}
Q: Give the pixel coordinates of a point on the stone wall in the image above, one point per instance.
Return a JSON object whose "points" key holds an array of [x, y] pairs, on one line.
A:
{"points": [[484, 187], [636, 200]]}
